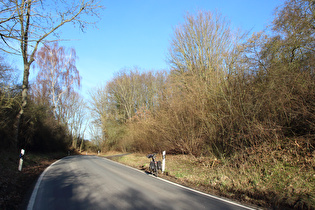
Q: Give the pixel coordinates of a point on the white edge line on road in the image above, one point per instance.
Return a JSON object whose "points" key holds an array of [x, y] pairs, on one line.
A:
{"points": [[34, 193], [208, 195], [187, 188]]}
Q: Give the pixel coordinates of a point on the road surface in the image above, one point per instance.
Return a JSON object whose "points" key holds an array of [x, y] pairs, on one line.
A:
{"points": [[90, 182]]}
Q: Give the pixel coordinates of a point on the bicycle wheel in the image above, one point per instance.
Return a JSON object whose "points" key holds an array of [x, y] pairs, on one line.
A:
{"points": [[156, 170]]}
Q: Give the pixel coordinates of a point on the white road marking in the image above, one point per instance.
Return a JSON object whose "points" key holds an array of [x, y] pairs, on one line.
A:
{"points": [[187, 188], [34, 193]]}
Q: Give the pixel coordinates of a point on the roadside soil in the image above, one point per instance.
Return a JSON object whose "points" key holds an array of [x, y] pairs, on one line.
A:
{"points": [[16, 186]]}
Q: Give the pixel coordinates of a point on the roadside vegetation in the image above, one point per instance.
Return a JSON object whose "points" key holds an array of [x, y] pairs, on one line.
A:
{"points": [[267, 177], [43, 116], [47, 132], [237, 108], [235, 112]]}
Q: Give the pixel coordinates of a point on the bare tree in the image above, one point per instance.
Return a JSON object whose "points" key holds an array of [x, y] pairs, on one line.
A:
{"points": [[123, 99], [58, 74], [95, 133], [72, 112], [202, 45], [203, 54], [25, 24]]}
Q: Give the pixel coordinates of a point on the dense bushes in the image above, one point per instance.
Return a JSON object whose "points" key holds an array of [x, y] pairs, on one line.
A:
{"points": [[9, 99], [222, 94], [39, 130]]}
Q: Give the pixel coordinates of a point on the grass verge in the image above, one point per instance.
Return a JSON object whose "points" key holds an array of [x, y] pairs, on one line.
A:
{"points": [[267, 176]]}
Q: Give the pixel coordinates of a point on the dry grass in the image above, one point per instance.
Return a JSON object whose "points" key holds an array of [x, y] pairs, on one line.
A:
{"points": [[267, 176]]}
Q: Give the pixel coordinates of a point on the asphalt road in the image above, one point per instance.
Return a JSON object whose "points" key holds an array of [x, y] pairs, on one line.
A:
{"points": [[90, 182]]}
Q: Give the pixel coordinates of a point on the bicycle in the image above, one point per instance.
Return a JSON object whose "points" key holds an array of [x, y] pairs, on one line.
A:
{"points": [[154, 166]]}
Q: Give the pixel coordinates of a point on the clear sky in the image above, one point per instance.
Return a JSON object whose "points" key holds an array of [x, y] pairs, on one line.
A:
{"points": [[138, 33]]}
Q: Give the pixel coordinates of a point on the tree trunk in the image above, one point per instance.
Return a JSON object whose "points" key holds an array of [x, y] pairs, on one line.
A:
{"points": [[23, 104], [74, 142], [81, 145], [27, 63]]}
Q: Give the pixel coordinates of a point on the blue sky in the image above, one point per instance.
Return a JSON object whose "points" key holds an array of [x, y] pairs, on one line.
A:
{"points": [[138, 33]]}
